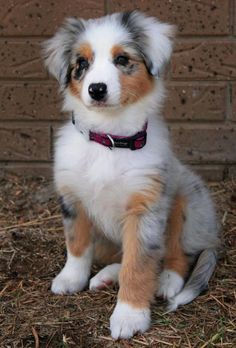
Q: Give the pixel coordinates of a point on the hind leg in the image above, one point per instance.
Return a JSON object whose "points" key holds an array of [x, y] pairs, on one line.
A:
{"points": [[108, 276], [176, 265], [106, 253]]}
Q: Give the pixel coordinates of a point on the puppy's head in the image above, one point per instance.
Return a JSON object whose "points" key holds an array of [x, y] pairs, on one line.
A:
{"points": [[112, 61]]}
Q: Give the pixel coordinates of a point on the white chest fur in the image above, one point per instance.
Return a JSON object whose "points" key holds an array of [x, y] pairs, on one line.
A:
{"points": [[103, 179]]}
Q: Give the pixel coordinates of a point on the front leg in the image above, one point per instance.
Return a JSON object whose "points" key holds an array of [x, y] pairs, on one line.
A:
{"points": [[142, 231], [77, 227]]}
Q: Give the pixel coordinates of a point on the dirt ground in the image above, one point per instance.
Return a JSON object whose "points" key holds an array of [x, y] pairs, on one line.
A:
{"points": [[32, 251]]}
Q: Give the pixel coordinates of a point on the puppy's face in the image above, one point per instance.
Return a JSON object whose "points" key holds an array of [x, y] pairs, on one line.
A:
{"points": [[109, 62], [108, 76]]}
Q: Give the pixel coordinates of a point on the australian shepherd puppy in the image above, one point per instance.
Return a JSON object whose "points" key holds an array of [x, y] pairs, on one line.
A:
{"points": [[124, 195]]}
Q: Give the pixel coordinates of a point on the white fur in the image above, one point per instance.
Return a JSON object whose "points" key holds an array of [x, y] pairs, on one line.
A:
{"points": [[107, 274], [127, 320], [170, 284], [74, 276]]}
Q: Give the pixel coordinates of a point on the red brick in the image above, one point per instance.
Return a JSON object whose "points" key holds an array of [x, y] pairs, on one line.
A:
{"points": [[24, 143], [21, 59], [192, 101], [42, 17], [30, 101], [204, 60], [209, 17], [205, 144], [233, 96]]}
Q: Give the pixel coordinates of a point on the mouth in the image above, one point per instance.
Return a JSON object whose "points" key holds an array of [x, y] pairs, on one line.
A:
{"points": [[101, 105]]}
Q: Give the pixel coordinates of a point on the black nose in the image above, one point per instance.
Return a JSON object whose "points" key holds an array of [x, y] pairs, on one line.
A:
{"points": [[97, 91]]}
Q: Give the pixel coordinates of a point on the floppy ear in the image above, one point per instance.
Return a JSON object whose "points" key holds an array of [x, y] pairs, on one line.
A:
{"points": [[154, 39], [57, 51]]}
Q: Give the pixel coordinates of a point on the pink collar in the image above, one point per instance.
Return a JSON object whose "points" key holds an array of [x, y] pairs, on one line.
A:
{"points": [[133, 142]]}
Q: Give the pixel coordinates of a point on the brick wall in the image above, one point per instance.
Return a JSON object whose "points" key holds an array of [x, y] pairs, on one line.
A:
{"points": [[201, 106]]}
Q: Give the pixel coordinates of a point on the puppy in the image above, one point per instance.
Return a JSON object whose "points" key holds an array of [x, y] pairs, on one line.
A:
{"points": [[124, 194]]}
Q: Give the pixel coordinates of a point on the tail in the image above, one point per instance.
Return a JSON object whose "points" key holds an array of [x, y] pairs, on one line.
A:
{"points": [[198, 280]]}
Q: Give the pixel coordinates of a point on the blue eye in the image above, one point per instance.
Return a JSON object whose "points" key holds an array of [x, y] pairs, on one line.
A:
{"points": [[121, 60]]}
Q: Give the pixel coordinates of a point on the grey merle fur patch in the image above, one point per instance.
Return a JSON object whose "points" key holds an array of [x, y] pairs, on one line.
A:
{"points": [[57, 51], [139, 39], [68, 210]]}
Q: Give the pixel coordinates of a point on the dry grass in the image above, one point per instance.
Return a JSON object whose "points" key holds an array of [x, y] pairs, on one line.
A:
{"points": [[32, 252]]}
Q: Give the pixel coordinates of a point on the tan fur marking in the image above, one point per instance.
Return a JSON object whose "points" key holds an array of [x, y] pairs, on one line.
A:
{"points": [[136, 85], [138, 271], [122, 50], [75, 86], [85, 50], [175, 259], [116, 50], [140, 201], [78, 236]]}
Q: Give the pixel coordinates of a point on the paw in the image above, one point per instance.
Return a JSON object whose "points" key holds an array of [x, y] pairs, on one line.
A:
{"points": [[99, 283], [127, 320], [108, 276], [75, 274], [170, 284], [67, 283]]}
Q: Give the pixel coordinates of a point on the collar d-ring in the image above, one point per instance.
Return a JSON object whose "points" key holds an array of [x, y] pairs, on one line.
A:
{"points": [[111, 140]]}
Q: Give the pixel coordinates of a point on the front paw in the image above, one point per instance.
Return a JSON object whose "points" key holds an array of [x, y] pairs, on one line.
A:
{"points": [[67, 284], [75, 274], [72, 278], [127, 320]]}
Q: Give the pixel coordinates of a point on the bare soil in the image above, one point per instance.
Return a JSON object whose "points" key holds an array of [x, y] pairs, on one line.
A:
{"points": [[32, 251]]}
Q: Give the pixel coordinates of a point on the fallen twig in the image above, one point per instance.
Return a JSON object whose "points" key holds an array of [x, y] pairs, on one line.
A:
{"points": [[36, 337], [30, 223]]}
